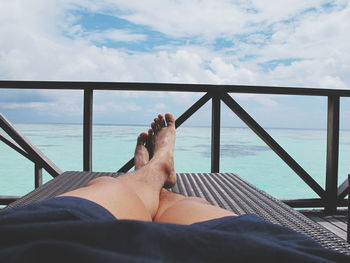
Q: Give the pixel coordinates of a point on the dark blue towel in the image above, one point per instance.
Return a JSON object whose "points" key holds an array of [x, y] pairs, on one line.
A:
{"points": [[68, 229]]}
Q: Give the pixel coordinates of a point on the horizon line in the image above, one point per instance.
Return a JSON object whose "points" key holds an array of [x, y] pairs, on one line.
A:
{"points": [[184, 125]]}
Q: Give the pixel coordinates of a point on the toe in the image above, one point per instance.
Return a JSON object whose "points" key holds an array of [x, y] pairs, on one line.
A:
{"points": [[150, 143], [154, 127], [149, 140], [170, 120], [157, 122], [161, 120], [142, 138]]}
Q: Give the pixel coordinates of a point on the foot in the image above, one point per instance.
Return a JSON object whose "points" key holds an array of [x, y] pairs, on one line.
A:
{"points": [[164, 136], [141, 156]]}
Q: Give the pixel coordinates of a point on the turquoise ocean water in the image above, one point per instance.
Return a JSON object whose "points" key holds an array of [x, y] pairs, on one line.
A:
{"points": [[242, 152]]}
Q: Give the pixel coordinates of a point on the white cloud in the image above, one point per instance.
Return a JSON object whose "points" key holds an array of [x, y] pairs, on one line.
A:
{"points": [[160, 106], [30, 105], [188, 18], [35, 49], [58, 108], [267, 101], [205, 18], [111, 107], [309, 44], [226, 73], [114, 35]]}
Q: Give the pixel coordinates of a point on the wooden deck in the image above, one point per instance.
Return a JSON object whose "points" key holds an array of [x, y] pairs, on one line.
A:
{"points": [[334, 223]]}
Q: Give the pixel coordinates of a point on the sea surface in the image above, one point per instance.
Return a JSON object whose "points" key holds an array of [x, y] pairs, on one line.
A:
{"points": [[242, 152]]}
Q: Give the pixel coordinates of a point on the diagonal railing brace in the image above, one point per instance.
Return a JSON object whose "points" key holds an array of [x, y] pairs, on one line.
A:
{"points": [[254, 126], [184, 116], [343, 190], [15, 146], [27, 146]]}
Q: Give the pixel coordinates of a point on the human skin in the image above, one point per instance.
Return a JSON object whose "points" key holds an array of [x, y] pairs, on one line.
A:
{"points": [[140, 195]]}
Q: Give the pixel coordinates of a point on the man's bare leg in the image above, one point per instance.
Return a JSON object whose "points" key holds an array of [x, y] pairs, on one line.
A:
{"points": [[139, 195], [175, 208], [136, 195], [178, 209]]}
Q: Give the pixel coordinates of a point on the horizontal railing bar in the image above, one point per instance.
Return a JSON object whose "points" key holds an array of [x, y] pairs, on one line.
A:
{"points": [[7, 199], [306, 202], [310, 202], [176, 87]]}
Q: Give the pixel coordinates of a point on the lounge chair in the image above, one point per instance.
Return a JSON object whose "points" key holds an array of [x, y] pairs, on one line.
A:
{"points": [[226, 190]]}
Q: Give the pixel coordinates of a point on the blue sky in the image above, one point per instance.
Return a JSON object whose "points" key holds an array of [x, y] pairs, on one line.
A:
{"points": [[257, 42]]}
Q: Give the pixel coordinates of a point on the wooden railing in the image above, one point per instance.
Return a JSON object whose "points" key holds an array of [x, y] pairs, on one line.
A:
{"points": [[330, 198]]}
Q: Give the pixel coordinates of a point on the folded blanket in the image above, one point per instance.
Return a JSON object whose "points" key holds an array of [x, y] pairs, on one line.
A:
{"points": [[69, 229]]}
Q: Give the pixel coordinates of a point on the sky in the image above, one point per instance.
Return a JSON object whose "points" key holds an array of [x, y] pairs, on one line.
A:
{"points": [[293, 43]]}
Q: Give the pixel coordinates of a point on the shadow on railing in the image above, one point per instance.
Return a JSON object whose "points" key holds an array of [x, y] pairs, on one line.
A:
{"points": [[329, 198]]}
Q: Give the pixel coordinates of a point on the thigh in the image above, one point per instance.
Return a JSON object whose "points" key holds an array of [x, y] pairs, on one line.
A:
{"points": [[115, 196], [189, 210]]}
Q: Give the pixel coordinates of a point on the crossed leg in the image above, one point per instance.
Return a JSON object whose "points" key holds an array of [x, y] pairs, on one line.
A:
{"points": [[139, 195], [178, 209]]}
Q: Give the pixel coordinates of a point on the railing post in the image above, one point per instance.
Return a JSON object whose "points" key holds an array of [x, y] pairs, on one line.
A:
{"points": [[348, 232], [87, 130], [332, 155], [215, 134], [38, 175]]}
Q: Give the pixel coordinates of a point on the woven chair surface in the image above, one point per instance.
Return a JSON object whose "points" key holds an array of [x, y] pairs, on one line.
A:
{"points": [[226, 190]]}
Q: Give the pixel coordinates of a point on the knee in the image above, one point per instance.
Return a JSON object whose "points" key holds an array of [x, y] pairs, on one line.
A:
{"points": [[197, 200], [170, 197], [102, 179]]}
